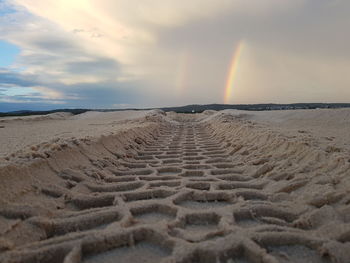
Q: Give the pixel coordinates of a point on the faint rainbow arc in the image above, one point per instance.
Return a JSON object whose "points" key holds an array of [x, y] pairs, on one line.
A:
{"points": [[232, 73], [182, 72]]}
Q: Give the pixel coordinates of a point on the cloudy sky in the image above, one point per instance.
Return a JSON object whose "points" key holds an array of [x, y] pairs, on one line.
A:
{"points": [[141, 53]]}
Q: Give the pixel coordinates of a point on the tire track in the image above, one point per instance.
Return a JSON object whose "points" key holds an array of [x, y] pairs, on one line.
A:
{"points": [[180, 199]]}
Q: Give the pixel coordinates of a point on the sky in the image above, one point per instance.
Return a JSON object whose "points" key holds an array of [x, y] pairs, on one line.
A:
{"points": [[153, 53]]}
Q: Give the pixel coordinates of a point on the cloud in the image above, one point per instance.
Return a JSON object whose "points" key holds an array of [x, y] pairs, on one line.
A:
{"points": [[17, 87], [53, 63], [165, 52], [11, 78], [101, 68], [290, 77]]}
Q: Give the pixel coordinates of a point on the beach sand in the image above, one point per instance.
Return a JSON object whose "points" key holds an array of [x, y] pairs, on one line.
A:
{"points": [[146, 186]]}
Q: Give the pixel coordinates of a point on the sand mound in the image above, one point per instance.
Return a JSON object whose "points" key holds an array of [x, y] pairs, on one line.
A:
{"points": [[216, 187], [21, 136], [329, 127]]}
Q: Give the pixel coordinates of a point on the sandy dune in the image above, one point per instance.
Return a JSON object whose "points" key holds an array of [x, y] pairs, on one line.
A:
{"points": [[18, 133], [225, 186], [332, 127]]}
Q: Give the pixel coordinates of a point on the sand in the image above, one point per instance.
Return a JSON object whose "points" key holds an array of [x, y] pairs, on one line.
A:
{"points": [[18, 133], [332, 127], [227, 186]]}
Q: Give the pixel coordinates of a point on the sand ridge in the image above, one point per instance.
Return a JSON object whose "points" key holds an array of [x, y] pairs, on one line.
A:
{"points": [[27, 133], [198, 188]]}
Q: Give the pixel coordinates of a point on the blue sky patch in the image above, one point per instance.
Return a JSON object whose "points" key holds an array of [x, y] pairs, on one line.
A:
{"points": [[5, 8], [8, 53]]}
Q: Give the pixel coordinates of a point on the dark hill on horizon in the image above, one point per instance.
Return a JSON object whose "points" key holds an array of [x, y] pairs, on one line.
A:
{"points": [[197, 108]]}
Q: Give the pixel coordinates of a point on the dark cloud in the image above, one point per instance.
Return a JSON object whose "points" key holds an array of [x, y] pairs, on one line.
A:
{"points": [[13, 106], [11, 78], [317, 26], [98, 66], [87, 95], [104, 94], [55, 44]]}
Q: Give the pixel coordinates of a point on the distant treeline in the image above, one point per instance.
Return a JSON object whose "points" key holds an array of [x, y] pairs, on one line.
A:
{"points": [[29, 112], [256, 107], [196, 108]]}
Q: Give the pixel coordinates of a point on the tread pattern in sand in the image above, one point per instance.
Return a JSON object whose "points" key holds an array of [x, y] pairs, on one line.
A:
{"points": [[180, 199]]}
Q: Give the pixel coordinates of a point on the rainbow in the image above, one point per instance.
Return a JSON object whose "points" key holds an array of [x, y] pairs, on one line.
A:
{"points": [[182, 72], [232, 72]]}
